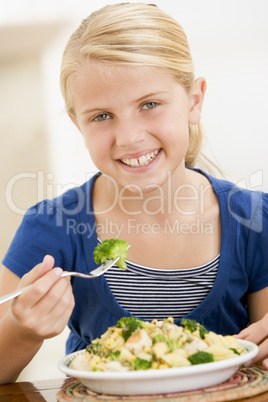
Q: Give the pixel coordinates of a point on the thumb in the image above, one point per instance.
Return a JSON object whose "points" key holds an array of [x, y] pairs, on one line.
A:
{"points": [[38, 271], [46, 265]]}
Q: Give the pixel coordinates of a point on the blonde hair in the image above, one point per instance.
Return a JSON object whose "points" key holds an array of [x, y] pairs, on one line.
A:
{"points": [[133, 34]]}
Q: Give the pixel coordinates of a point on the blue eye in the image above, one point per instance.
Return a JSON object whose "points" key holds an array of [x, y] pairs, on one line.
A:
{"points": [[150, 105], [102, 117]]}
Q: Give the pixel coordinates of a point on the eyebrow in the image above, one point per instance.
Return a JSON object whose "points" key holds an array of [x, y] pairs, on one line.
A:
{"points": [[97, 109], [149, 95]]}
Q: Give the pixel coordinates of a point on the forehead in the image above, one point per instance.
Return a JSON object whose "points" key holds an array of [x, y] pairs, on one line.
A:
{"points": [[107, 71], [95, 78]]}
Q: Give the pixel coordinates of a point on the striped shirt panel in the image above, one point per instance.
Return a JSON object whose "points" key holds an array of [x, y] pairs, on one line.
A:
{"points": [[151, 293]]}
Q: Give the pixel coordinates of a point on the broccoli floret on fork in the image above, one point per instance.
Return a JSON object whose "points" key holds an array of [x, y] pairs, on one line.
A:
{"points": [[110, 249]]}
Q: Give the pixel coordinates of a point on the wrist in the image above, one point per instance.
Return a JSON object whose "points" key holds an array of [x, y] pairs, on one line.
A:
{"points": [[22, 334], [17, 349]]}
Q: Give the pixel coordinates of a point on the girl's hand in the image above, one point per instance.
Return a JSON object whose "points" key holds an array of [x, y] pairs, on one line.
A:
{"points": [[43, 310], [257, 333]]}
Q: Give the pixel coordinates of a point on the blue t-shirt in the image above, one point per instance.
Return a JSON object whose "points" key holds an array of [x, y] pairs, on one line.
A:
{"points": [[65, 228]]}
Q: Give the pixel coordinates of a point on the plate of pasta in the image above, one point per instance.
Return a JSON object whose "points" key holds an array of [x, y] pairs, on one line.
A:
{"points": [[137, 357]]}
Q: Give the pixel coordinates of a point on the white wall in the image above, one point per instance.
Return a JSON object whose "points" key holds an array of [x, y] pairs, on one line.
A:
{"points": [[228, 40], [229, 46]]}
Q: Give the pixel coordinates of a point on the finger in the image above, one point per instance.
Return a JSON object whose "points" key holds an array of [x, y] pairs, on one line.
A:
{"points": [[61, 313], [33, 310], [263, 351], [39, 288], [52, 312], [245, 332], [38, 271], [56, 295], [265, 364], [256, 332], [47, 264], [259, 331]]}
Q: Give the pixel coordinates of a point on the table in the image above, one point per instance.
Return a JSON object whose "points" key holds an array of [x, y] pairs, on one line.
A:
{"points": [[46, 390]]}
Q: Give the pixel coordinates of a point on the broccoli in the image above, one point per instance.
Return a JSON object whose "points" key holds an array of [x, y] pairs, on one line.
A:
{"points": [[192, 326], [114, 355], [201, 357], [111, 249], [95, 349], [164, 338], [140, 364], [202, 331], [129, 325], [235, 351]]}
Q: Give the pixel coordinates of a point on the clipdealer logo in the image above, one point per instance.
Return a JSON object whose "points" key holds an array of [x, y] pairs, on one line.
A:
{"points": [[134, 227], [44, 187]]}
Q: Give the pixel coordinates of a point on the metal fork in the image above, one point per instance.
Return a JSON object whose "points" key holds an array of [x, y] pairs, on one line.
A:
{"points": [[93, 274]]}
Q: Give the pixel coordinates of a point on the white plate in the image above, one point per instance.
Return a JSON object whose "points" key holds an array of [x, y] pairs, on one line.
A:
{"points": [[159, 381]]}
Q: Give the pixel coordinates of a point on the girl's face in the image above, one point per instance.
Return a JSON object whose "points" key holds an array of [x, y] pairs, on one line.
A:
{"points": [[134, 121]]}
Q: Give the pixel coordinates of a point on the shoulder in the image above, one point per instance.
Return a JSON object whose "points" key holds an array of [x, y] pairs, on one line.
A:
{"points": [[248, 207], [62, 214], [235, 193], [54, 227], [72, 201]]}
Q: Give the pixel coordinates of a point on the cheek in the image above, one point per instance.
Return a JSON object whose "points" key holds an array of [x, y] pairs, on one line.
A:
{"points": [[98, 148], [173, 128], [94, 146], [92, 138]]}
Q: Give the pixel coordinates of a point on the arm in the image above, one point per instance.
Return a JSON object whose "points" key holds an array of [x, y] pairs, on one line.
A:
{"points": [[39, 313], [257, 332]]}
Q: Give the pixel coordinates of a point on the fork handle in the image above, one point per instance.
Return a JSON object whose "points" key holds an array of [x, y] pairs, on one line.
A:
{"points": [[12, 295], [78, 274], [18, 292]]}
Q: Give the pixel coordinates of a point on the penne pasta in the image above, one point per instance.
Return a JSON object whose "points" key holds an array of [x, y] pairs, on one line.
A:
{"points": [[136, 345]]}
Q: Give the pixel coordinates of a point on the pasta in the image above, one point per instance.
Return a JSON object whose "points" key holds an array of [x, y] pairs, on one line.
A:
{"points": [[136, 345]]}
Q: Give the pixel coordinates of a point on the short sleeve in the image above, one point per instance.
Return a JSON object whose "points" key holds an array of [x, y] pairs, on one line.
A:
{"points": [[257, 247], [42, 231]]}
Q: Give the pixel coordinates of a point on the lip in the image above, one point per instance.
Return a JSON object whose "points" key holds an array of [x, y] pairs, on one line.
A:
{"points": [[131, 169], [137, 154]]}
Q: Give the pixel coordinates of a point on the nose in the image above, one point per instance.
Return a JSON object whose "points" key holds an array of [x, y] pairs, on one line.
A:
{"points": [[128, 132]]}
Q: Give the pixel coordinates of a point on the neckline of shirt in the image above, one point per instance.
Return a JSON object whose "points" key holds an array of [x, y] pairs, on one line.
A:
{"points": [[171, 273], [198, 269]]}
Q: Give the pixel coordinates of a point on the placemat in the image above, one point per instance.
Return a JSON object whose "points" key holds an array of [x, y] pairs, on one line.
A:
{"points": [[245, 383]]}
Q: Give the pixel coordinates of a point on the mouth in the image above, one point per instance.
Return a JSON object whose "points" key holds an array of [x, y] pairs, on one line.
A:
{"points": [[142, 160]]}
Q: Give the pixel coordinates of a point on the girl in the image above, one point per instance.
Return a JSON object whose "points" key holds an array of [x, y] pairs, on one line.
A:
{"points": [[198, 244]]}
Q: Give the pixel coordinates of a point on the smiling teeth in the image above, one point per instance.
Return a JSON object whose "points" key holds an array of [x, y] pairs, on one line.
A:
{"points": [[142, 160]]}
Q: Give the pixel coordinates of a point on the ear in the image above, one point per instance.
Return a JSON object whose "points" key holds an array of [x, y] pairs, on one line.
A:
{"points": [[196, 100]]}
